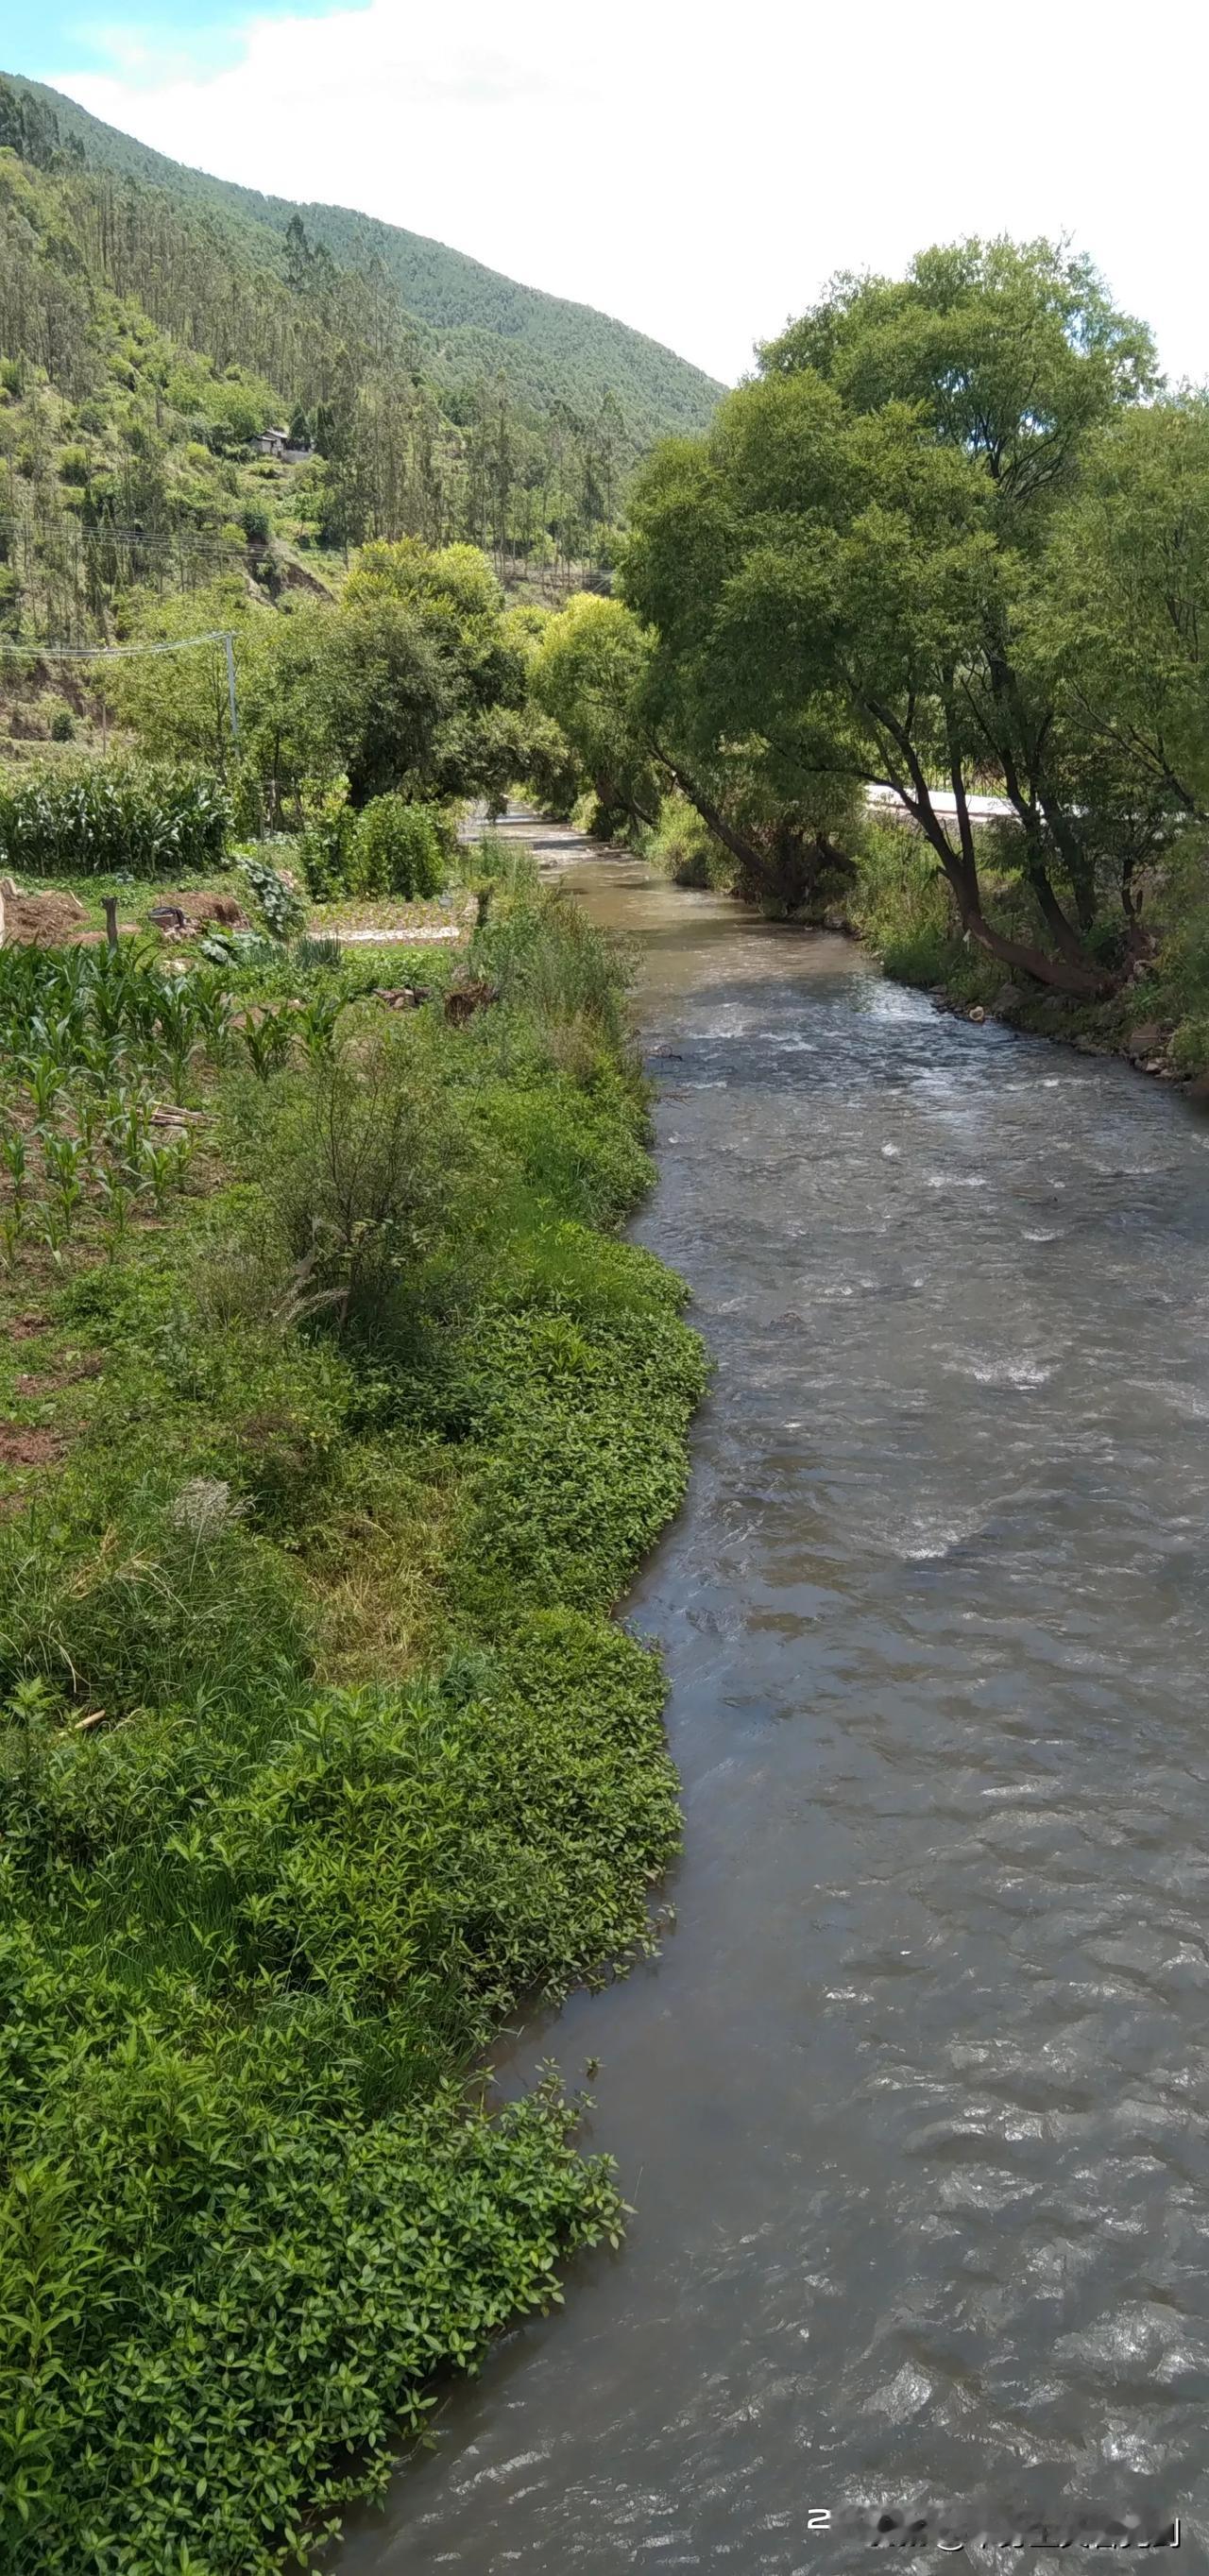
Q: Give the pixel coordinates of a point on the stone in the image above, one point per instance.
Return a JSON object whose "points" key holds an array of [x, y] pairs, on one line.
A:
{"points": [[1145, 1040], [977, 1014], [1008, 998], [1198, 1088], [465, 999]]}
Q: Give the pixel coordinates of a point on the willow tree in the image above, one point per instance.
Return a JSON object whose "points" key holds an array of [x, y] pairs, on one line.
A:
{"points": [[587, 673], [854, 570], [599, 674]]}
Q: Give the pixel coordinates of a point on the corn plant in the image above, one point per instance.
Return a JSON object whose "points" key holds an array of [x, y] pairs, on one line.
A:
{"points": [[44, 1082], [268, 1042], [16, 1159], [102, 816], [316, 1025], [163, 1169], [89, 1042], [63, 1158]]}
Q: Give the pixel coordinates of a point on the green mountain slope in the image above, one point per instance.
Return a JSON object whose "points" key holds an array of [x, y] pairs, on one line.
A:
{"points": [[474, 320]]}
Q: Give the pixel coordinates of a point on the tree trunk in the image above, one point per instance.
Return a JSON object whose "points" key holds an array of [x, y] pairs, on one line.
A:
{"points": [[1063, 975], [1071, 971], [711, 815]]}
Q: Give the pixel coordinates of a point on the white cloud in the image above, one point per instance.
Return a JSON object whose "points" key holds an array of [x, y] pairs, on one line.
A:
{"points": [[701, 169]]}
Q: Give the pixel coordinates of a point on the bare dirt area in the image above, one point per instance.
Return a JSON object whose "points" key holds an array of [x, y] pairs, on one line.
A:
{"points": [[21, 1446]]}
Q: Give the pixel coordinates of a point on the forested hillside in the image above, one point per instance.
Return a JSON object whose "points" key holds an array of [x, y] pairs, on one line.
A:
{"points": [[153, 328], [471, 319]]}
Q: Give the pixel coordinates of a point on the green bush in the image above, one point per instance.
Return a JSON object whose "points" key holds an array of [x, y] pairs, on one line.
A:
{"points": [[506, 866], [178, 1602], [547, 957], [901, 904], [396, 849], [685, 850], [104, 818], [62, 725], [580, 1156], [585, 1456], [362, 1162], [325, 847], [280, 906]]}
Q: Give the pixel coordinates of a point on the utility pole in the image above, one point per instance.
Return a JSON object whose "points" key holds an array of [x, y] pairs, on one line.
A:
{"points": [[229, 641]]}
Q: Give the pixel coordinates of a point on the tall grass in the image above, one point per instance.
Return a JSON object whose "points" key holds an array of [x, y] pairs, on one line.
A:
{"points": [[684, 849], [547, 958], [902, 905]]}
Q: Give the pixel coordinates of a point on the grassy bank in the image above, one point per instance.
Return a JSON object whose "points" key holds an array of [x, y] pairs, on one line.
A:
{"points": [[321, 1469]]}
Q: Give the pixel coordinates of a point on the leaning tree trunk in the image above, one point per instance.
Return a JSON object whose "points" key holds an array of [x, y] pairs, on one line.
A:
{"points": [[1082, 981]]}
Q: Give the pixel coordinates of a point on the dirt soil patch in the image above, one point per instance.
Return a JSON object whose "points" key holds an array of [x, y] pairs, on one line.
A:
{"points": [[201, 907], [23, 1327], [20, 1447], [39, 920], [50, 1384]]}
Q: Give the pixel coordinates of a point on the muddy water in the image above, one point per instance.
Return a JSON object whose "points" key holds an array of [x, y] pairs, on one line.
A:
{"points": [[912, 2107]]}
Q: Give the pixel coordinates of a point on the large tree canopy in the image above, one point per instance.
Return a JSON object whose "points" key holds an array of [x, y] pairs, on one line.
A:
{"points": [[865, 572], [413, 682], [588, 674]]}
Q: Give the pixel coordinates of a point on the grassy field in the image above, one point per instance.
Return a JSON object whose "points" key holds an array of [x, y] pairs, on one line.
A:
{"points": [[326, 1451]]}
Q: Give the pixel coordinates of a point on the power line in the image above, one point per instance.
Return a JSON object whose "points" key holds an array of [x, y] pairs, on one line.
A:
{"points": [[111, 652], [121, 652]]}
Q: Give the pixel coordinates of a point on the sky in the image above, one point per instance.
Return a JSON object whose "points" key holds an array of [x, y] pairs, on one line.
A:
{"points": [[696, 167]]}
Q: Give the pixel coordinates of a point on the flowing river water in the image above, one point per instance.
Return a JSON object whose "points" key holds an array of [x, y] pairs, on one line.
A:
{"points": [[912, 2105]]}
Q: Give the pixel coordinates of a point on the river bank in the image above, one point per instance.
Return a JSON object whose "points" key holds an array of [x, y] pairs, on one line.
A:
{"points": [[320, 1748], [1112, 1029], [907, 2104], [1158, 1021], [899, 908]]}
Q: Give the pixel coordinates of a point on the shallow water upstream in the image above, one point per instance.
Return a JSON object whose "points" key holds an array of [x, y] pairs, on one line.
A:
{"points": [[913, 2105]]}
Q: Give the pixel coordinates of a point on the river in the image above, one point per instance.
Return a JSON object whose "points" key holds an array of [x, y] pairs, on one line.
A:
{"points": [[912, 2105]]}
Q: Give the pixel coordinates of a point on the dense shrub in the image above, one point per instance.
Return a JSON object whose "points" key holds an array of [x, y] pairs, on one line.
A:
{"points": [[686, 851], [390, 847], [113, 817], [396, 849], [902, 904], [178, 1602], [326, 842], [363, 1162], [545, 955]]}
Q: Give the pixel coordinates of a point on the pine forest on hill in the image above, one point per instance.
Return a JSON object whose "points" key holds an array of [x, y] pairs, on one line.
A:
{"points": [[154, 323]]}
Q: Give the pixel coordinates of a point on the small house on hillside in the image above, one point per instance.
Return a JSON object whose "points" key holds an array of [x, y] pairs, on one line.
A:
{"points": [[278, 443]]}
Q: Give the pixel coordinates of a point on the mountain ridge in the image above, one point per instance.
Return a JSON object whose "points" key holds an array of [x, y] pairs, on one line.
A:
{"points": [[553, 348]]}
